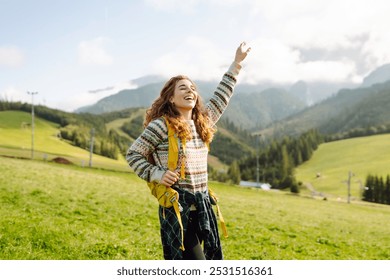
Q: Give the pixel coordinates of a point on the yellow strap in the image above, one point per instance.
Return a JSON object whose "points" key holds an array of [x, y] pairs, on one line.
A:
{"points": [[173, 157], [183, 166], [177, 211], [223, 225], [219, 213], [173, 150]]}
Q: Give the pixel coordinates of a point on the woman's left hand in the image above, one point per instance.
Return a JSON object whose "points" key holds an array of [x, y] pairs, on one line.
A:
{"points": [[241, 52]]}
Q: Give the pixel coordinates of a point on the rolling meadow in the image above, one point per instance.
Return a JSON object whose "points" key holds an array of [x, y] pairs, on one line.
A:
{"points": [[52, 211]]}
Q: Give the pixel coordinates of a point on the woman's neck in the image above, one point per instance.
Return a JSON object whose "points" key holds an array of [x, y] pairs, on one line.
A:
{"points": [[186, 114]]}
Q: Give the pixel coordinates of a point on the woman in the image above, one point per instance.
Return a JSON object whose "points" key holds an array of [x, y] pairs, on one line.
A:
{"points": [[180, 104]]}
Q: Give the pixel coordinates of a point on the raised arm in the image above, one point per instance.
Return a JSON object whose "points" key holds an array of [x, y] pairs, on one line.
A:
{"points": [[219, 101]]}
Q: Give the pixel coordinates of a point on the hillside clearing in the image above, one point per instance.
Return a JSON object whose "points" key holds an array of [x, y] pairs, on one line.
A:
{"points": [[327, 171]]}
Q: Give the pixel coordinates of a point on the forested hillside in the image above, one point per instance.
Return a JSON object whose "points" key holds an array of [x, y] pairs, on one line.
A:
{"points": [[350, 109]]}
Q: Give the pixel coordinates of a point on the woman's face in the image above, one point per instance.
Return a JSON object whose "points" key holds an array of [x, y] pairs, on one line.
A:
{"points": [[184, 96]]}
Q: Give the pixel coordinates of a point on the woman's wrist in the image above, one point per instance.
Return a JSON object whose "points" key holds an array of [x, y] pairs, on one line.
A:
{"points": [[157, 175], [235, 68]]}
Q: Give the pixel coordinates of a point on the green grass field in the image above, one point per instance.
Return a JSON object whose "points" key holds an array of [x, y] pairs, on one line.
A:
{"points": [[334, 160], [54, 211]]}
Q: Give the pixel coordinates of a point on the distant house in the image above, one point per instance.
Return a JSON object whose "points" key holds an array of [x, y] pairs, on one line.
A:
{"points": [[263, 186]]}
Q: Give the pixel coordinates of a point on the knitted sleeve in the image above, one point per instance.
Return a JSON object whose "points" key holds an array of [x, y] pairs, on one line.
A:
{"points": [[138, 153], [220, 99]]}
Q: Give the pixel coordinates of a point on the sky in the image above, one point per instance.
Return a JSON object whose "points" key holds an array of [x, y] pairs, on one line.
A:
{"points": [[73, 53]]}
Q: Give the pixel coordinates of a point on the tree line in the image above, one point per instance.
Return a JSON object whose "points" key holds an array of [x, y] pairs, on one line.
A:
{"points": [[274, 163], [377, 189], [278, 160], [359, 132]]}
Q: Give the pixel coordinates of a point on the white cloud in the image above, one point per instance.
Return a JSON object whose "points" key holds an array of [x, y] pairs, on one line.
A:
{"points": [[332, 27], [173, 5], [93, 52], [196, 57], [269, 60], [350, 38], [11, 56], [335, 71], [345, 40], [328, 25]]}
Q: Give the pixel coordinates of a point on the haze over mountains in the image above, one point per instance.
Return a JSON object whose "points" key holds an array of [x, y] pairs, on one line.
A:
{"points": [[255, 107]]}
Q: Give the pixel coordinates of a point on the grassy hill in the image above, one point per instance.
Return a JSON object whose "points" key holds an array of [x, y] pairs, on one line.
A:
{"points": [[117, 123], [59, 212], [333, 160], [15, 140]]}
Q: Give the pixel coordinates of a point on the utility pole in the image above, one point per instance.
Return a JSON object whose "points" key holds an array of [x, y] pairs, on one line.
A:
{"points": [[32, 122], [91, 146], [265, 160], [350, 174], [257, 159]]}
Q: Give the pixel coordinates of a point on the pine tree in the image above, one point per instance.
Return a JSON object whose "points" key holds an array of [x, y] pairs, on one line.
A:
{"points": [[368, 191], [381, 190], [286, 164], [387, 191], [376, 190], [234, 172]]}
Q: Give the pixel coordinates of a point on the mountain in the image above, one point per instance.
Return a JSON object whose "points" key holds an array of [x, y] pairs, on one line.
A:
{"points": [[249, 110], [371, 111], [348, 109], [314, 92], [379, 75], [256, 106], [128, 98], [259, 109], [253, 106]]}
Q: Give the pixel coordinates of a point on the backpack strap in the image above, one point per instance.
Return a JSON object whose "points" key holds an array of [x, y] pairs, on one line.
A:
{"points": [[173, 150], [214, 201], [173, 157]]}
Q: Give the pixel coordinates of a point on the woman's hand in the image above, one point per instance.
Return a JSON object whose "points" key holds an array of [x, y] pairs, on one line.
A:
{"points": [[169, 178], [241, 52]]}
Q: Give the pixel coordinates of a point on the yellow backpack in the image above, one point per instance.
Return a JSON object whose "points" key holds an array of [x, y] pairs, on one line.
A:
{"points": [[167, 196]]}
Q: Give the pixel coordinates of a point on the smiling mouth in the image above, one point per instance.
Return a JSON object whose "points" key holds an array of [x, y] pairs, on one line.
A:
{"points": [[189, 98]]}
